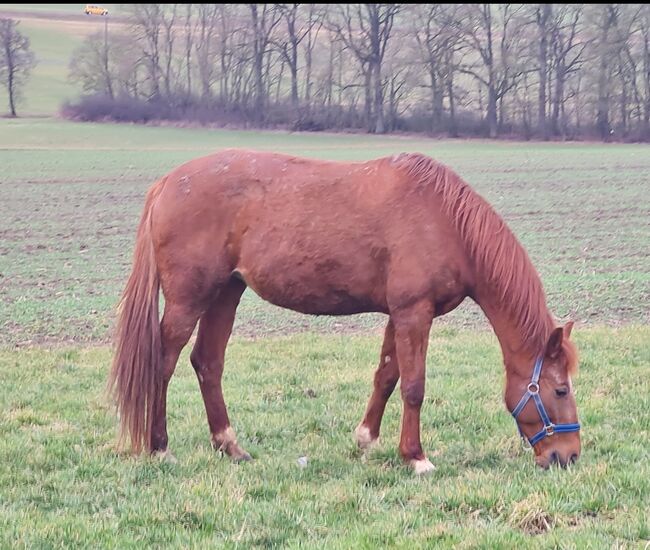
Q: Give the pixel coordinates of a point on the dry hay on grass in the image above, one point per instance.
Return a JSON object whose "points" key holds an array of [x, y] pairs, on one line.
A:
{"points": [[531, 517]]}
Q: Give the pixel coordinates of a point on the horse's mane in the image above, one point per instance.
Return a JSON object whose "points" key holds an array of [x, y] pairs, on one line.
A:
{"points": [[492, 247]]}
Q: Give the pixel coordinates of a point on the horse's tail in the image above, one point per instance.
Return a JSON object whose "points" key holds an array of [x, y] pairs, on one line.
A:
{"points": [[134, 380]]}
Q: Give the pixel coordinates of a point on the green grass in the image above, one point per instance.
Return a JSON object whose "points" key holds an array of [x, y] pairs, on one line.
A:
{"points": [[73, 193], [63, 484], [48, 85]]}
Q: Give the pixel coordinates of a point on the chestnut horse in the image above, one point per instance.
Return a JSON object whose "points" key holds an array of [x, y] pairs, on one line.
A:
{"points": [[400, 235]]}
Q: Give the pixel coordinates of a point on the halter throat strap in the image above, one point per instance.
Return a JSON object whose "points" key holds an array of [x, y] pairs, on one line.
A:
{"points": [[532, 392]]}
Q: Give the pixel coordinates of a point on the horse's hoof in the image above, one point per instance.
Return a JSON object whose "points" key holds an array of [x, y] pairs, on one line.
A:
{"points": [[364, 439], [240, 456], [422, 467], [165, 456]]}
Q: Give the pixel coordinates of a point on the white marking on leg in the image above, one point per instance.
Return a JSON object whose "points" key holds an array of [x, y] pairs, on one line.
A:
{"points": [[387, 359], [422, 467], [226, 442], [222, 440], [363, 437], [165, 456]]}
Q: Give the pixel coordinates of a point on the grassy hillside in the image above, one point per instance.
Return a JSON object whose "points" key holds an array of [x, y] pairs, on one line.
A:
{"points": [[54, 31]]}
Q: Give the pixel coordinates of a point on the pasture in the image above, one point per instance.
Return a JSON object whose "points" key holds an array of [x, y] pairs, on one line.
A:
{"points": [[71, 197]]}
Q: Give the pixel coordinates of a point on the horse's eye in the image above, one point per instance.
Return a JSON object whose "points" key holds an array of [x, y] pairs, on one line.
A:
{"points": [[562, 391]]}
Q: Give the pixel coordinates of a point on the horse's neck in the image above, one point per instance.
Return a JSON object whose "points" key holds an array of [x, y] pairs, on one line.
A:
{"points": [[516, 347]]}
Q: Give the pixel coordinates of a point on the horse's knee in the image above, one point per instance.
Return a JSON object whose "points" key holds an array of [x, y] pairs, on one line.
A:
{"points": [[203, 366], [413, 392]]}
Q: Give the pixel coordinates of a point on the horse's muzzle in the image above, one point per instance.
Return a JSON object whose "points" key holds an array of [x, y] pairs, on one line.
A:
{"points": [[556, 459]]}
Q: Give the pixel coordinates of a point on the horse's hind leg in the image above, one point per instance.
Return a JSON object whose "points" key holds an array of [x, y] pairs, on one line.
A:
{"points": [[386, 377], [176, 327], [208, 361]]}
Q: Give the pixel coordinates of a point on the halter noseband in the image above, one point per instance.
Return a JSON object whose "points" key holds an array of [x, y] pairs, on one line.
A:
{"points": [[533, 391]]}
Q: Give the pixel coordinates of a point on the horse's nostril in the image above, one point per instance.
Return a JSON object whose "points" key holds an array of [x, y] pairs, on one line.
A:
{"points": [[573, 458], [554, 458]]}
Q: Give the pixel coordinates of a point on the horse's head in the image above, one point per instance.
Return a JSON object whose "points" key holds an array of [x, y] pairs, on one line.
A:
{"points": [[543, 403]]}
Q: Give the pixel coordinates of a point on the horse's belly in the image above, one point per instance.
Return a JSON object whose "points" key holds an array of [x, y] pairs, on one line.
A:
{"points": [[315, 291]]}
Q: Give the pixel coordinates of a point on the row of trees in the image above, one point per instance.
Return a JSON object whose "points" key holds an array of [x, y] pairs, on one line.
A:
{"points": [[550, 70]]}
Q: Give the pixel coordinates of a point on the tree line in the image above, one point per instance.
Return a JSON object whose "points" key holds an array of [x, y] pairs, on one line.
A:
{"points": [[528, 70]]}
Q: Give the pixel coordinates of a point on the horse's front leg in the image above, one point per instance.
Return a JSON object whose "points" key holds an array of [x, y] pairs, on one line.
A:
{"points": [[386, 377], [412, 325]]}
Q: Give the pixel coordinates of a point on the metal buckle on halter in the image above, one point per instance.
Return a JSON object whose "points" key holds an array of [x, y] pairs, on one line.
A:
{"points": [[533, 385], [550, 429]]}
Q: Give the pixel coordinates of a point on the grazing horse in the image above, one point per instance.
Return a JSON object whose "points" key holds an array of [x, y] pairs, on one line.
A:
{"points": [[402, 235]]}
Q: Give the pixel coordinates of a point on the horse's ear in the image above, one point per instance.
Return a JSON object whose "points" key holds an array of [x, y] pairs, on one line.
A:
{"points": [[554, 345], [567, 329]]}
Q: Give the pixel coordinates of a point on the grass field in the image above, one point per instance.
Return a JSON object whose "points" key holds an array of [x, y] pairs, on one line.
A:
{"points": [[63, 484], [73, 193], [71, 199]]}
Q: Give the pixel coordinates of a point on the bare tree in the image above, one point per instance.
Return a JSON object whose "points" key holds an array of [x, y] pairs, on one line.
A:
{"points": [[606, 21], [644, 69], [543, 18], [206, 22], [146, 26], [568, 48], [315, 17], [168, 19], [366, 29], [189, 37], [397, 86], [437, 43], [626, 46], [264, 19], [16, 61], [92, 65], [287, 44], [496, 37]]}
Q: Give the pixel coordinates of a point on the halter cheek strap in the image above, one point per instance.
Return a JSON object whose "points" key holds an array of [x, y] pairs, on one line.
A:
{"points": [[533, 392]]}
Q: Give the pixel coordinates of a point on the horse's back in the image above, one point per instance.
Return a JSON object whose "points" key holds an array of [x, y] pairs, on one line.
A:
{"points": [[311, 235]]}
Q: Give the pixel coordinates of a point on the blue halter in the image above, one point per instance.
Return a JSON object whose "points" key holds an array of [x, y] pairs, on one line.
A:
{"points": [[533, 391]]}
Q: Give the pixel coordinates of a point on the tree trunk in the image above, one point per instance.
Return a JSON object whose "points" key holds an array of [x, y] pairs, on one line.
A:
{"points": [[646, 79], [107, 73], [558, 98], [368, 103], [188, 48], [258, 68], [453, 130], [379, 101], [11, 91], [602, 115], [293, 67], [492, 121], [543, 17], [436, 101], [624, 99]]}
